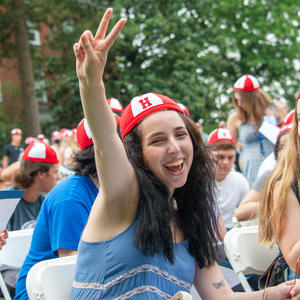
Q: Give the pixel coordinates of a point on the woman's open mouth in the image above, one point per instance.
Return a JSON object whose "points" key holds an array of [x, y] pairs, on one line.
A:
{"points": [[175, 167]]}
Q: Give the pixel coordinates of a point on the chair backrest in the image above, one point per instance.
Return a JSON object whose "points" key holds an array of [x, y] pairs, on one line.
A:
{"points": [[51, 279], [16, 248], [244, 252]]}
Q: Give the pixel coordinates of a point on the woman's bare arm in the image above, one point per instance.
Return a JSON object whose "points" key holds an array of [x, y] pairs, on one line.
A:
{"points": [[117, 200], [211, 285], [249, 207], [233, 124]]}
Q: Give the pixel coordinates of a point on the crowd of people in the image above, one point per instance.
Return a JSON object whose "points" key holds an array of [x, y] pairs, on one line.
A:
{"points": [[146, 196]]}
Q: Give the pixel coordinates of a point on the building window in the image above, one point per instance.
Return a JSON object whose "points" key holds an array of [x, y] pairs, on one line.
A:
{"points": [[34, 37], [40, 88], [33, 34]]}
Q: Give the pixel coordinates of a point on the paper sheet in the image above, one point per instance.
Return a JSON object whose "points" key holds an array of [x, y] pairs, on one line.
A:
{"points": [[8, 203], [269, 131]]}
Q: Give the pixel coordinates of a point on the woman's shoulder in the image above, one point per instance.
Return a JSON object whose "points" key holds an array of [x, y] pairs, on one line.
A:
{"points": [[233, 116], [233, 120]]}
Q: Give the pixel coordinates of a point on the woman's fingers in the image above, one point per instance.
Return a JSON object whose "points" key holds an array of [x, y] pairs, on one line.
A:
{"points": [[3, 237], [295, 288], [89, 35], [110, 39], [86, 44], [5, 233], [101, 31], [76, 49]]}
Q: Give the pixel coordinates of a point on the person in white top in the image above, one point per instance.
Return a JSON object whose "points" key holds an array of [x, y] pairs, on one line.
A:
{"points": [[231, 186]]}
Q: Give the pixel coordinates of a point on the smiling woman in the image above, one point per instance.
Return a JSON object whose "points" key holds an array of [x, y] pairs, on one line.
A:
{"points": [[152, 228], [167, 148]]}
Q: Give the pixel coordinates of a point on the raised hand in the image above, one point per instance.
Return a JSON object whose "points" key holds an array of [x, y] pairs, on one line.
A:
{"points": [[91, 52]]}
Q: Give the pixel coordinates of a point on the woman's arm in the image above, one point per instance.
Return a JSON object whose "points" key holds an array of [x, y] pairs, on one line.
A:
{"points": [[289, 239], [249, 207], [232, 125], [117, 200], [9, 173], [211, 285]]}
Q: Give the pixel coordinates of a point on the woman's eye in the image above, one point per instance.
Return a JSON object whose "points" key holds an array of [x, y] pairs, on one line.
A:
{"points": [[156, 141], [182, 134]]}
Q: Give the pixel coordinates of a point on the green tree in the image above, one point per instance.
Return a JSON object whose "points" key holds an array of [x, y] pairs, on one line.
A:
{"points": [[14, 33], [193, 51]]}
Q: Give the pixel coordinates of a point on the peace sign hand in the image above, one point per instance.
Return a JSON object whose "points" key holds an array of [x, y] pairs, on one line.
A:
{"points": [[91, 52]]}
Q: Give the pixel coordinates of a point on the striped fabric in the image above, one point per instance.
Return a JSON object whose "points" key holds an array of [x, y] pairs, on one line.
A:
{"points": [[116, 269]]}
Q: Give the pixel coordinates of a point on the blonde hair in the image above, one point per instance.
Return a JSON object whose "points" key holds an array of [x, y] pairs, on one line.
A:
{"points": [[288, 169], [256, 103]]}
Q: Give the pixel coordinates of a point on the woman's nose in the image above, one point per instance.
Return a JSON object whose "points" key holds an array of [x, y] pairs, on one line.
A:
{"points": [[173, 146]]}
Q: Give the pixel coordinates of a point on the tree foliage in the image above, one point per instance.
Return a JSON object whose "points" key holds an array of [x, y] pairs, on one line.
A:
{"points": [[192, 51]]}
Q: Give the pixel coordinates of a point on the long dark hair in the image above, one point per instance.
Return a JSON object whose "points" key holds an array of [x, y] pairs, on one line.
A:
{"points": [[196, 207]]}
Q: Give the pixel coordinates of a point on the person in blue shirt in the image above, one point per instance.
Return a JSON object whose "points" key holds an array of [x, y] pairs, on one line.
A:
{"points": [[64, 212]]}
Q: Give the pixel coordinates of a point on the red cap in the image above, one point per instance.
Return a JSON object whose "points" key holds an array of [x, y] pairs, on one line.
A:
{"points": [[40, 152], [16, 131], [141, 107], [55, 134], [298, 96], [115, 105], [220, 135], [184, 108], [30, 140], [40, 136], [246, 83], [289, 119], [66, 133], [45, 140], [84, 135], [285, 128]]}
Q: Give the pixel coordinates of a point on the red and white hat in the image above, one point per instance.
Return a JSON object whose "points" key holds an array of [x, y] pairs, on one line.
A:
{"points": [[285, 128], [40, 152], [30, 140], [16, 131], [84, 135], [45, 140], [66, 133], [184, 108], [289, 119], [142, 106], [246, 83], [40, 136], [115, 105], [298, 96], [220, 135], [55, 134]]}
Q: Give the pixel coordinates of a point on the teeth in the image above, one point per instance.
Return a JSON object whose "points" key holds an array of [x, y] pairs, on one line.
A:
{"points": [[174, 164]]}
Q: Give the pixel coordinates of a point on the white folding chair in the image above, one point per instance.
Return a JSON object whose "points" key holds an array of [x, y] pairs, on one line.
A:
{"points": [[51, 279], [245, 254], [14, 253]]}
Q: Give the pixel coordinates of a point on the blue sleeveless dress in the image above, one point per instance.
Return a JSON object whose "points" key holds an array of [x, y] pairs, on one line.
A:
{"points": [[116, 269], [255, 148]]}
